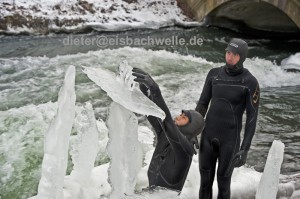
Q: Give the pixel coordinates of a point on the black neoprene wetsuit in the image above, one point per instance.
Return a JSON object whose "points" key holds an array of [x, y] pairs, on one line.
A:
{"points": [[229, 96], [173, 154]]}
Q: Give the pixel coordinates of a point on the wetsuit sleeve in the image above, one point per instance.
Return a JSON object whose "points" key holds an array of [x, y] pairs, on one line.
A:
{"points": [[205, 97], [155, 123], [252, 102], [174, 136]]}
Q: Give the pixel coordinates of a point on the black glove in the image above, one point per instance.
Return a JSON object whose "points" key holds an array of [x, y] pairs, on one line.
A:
{"points": [[144, 90], [195, 142], [146, 82], [240, 158]]}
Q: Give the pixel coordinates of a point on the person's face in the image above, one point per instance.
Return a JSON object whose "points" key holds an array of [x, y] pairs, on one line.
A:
{"points": [[231, 58], [181, 120]]}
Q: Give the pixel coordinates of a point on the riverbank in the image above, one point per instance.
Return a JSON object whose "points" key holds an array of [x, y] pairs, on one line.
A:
{"points": [[77, 16]]}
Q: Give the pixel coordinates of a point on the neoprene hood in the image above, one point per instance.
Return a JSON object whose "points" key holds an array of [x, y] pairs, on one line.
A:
{"points": [[238, 46], [195, 125]]}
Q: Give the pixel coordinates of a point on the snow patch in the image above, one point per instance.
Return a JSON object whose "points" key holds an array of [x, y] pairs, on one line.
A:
{"points": [[104, 15]]}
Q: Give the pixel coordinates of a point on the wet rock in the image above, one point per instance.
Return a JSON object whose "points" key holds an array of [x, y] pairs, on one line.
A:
{"points": [[112, 8], [57, 7], [15, 20], [186, 10], [130, 1], [87, 6]]}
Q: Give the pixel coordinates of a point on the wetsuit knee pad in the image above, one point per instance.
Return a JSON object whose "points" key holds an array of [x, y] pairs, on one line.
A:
{"points": [[224, 187]]}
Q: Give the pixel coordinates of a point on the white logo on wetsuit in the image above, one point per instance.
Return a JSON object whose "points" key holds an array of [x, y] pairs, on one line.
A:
{"points": [[234, 45]]}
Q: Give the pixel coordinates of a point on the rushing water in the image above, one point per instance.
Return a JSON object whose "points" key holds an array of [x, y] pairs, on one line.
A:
{"points": [[32, 70]]}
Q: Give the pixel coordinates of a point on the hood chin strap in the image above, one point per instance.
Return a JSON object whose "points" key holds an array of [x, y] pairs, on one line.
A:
{"points": [[234, 69]]}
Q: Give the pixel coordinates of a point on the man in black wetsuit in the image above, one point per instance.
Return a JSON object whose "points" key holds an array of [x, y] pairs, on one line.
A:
{"points": [[174, 150], [230, 90]]}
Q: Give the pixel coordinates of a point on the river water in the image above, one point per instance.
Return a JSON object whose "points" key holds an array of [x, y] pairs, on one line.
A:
{"points": [[32, 70]]}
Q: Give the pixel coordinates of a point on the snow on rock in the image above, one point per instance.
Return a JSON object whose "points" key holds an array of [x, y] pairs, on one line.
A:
{"points": [[43, 16]]}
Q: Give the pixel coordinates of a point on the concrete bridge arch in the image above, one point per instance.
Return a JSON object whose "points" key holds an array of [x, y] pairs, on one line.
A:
{"points": [[262, 15]]}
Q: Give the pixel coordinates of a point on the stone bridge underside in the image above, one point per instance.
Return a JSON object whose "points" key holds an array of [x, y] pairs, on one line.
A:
{"points": [[243, 15]]}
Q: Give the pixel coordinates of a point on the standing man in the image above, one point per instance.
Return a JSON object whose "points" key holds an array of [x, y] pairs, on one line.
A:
{"points": [[230, 90]]}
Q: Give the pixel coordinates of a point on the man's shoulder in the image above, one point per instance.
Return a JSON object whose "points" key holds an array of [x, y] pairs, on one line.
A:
{"points": [[250, 78], [214, 71]]}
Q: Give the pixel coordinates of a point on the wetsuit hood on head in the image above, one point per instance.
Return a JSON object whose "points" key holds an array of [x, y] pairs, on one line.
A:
{"points": [[195, 125], [237, 46]]}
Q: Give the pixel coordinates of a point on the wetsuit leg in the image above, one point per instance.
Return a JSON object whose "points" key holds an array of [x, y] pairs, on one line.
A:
{"points": [[225, 169], [207, 160], [224, 186]]}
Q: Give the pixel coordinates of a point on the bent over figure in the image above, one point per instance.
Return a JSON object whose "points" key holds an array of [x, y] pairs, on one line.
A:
{"points": [[230, 90], [174, 150]]}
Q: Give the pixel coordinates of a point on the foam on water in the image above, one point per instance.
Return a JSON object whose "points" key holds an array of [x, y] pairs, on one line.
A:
{"points": [[269, 74], [21, 147], [29, 80], [173, 72], [292, 62]]}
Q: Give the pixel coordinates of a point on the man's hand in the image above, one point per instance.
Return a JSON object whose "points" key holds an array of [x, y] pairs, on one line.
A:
{"points": [[145, 90], [195, 142], [146, 82], [240, 158]]}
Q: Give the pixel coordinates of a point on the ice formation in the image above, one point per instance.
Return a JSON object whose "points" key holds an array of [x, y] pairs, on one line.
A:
{"points": [[124, 150], [122, 90], [268, 185], [56, 142]]}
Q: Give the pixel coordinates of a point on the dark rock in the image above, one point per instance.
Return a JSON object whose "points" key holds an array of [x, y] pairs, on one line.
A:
{"points": [[35, 9], [87, 6], [112, 8], [130, 1], [15, 20], [82, 11], [292, 70], [126, 9], [3, 25], [57, 7], [186, 10], [152, 4], [37, 24]]}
